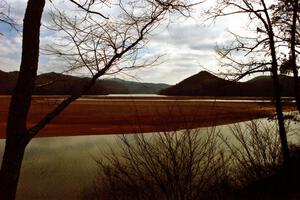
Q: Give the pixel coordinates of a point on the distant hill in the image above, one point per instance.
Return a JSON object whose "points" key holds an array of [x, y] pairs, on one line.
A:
{"points": [[207, 84], [59, 84], [137, 87], [7, 82]]}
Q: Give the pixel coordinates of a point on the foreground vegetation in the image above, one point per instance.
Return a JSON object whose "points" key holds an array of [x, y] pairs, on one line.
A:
{"points": [[244, 164]]}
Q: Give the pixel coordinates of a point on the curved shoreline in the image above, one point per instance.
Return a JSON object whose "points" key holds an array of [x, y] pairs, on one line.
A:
{"points": [[118, 115]]}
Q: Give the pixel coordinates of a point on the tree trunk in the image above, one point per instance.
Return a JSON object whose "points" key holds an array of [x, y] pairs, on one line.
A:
{"points": [[16, 131], [278, 103], [10, 170], [277, 91], [280, 120], [293, 54]]}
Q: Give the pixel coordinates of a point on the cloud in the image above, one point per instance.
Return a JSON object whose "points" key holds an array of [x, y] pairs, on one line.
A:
{"points": [[187, 46], [10, 51]]}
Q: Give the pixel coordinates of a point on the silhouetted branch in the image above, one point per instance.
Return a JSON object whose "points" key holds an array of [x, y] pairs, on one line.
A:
{"points": [[100, 46], [88, 7], [5, 15]]}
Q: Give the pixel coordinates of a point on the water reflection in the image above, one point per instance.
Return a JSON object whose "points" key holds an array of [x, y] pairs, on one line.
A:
{"points": [[59, 166]]}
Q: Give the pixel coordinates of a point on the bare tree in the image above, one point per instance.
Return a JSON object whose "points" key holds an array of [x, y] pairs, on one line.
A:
{"points": [[257, 52], [255, 151], [167, 165], [137, 26], [5, 15], [16, 131], [286, 19], [293, 42], [188, 164]]}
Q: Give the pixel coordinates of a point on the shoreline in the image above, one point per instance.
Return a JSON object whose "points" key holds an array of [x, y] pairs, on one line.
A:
{"points": [[102, 116]]}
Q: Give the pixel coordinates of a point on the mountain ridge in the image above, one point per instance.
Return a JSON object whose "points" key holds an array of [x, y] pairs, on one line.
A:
{"points": [[207, 84], [53, 83], [200, 84]]}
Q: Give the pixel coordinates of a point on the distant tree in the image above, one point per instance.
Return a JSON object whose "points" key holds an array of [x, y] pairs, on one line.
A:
{"points": [[126, 37], [256, 50]]}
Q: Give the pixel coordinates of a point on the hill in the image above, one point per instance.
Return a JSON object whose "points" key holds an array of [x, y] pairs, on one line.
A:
{"points": [[207, 84], [7, 82], [137, 87], [59, 84]]}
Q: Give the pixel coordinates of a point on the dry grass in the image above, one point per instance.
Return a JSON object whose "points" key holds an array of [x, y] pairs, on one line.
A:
{"points": [[137, 114]]}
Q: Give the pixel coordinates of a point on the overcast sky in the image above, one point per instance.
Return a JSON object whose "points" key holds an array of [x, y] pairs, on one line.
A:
{"points": [[187, 45]]}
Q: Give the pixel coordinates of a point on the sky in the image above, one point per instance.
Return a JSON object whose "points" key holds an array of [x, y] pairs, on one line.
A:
{"points": [[186, 45]]}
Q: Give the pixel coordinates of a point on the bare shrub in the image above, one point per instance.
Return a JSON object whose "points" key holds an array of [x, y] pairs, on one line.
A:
{"points": [[255, 151], [187, 165], [175, 165]]}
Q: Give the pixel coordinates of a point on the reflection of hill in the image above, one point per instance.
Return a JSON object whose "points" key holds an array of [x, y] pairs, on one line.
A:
{"points": [[206, 84], [58, 84]]}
